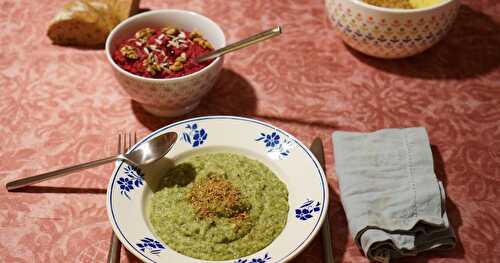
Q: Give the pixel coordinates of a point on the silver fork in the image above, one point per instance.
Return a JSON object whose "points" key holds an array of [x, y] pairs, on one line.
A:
{"points": [[123, 146]]}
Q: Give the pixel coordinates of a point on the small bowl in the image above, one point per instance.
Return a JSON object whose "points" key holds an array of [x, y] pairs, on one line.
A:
{"points": [[130, 188], [391, 33], [174, 96]]}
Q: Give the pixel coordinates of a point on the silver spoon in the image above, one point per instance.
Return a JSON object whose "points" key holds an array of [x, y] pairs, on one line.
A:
{"points": [[146, 153], [240, 44]]}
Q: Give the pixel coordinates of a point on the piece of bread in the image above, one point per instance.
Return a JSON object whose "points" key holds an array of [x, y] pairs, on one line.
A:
{"points": [[87, 23], [124, 8]]}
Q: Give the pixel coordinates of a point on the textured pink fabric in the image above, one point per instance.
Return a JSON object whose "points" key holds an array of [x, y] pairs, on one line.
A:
{"points": [[61, 105]]}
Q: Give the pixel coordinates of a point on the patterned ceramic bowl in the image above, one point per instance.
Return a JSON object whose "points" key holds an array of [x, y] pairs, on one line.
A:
{"points": [[391, 33], [129, 187], [175, 96]]}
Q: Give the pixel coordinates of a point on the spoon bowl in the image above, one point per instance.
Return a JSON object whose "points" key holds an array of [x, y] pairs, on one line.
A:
{"points": [[147, 153], [152, 150]]}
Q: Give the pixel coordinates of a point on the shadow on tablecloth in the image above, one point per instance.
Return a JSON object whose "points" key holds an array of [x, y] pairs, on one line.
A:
{"points": [[453, 215], [470, 49], [131, 258], [338, 226], [231, 95]]}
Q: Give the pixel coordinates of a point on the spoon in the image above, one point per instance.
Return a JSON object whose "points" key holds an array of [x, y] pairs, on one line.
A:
{"points": [[240, 44], [146, 153]]}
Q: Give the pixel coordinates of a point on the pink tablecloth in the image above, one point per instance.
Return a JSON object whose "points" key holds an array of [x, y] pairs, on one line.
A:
{"points": [[60, 106]]}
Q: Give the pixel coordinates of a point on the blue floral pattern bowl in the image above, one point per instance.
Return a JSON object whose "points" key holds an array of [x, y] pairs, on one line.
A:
{"points": [[129, 188]]}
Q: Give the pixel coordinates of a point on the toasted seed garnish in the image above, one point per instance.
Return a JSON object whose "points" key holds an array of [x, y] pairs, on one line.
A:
{"points": [[151, 64]]}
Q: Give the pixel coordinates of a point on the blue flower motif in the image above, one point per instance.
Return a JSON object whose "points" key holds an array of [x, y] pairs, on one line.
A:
{"points": [[263, 259], [303, 214], [194, 136], [152, 246], [278, 147], [199, 137], [125, 184], [272, 139], [135, 174], [133, 179], [305, 211]]}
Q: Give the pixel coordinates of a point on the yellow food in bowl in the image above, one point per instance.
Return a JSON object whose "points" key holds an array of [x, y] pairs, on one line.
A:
{"points": [[391, 32], [403, 4], [424, 3]]}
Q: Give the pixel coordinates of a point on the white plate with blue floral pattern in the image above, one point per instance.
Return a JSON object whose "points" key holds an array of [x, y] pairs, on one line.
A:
{"points": [[130, 187]]}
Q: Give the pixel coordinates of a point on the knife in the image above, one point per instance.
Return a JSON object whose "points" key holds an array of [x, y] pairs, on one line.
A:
{"points": [[317, 149]]}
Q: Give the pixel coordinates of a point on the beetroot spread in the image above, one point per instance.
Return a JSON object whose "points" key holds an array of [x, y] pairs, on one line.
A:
{"points": [[162, 53]]}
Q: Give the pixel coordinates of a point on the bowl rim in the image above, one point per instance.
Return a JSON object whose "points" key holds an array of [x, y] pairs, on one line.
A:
{"points": [[125, 22], [321, 172], [400, 11]]}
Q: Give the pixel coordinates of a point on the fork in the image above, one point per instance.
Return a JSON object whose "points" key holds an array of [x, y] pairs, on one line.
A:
{"points": [[123, 146]]}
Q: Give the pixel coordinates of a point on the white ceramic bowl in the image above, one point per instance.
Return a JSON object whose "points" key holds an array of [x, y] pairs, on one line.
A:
{"points": [[391, 33], [175, 96], [130, 188]]}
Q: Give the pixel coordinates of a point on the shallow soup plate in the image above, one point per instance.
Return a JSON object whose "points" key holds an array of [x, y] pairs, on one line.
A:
{"points": [[130, 188]]}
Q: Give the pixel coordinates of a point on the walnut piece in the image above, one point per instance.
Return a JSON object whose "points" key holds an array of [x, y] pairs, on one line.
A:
{"points": [[170, 31], [129, 52], [177, 66], [144, 34]]}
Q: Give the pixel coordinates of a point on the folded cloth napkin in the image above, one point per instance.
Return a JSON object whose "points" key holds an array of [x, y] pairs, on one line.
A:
{"points": [[392, 198]]}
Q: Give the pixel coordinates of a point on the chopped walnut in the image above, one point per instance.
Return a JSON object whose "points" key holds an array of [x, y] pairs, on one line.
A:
{"points": [[129, 52], [177, 66], [198, 40], [171, 31], [155, 52], [202, 42], [195, 34], [207, 44], [182, 58], [143, 34]]}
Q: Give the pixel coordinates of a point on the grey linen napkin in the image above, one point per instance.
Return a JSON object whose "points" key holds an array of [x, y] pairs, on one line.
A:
{"points": [[392, 198]]}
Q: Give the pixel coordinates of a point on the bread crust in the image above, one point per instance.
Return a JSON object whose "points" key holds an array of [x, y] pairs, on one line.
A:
{"points": [[87, 23]]}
